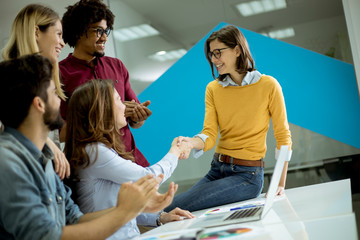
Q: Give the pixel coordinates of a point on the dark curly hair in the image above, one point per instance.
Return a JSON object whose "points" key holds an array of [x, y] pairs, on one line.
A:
{"points": [[78, 18]]}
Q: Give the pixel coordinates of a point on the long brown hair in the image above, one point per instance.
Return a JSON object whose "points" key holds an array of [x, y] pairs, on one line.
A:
{"points": [[91, 119], [231, 36]]}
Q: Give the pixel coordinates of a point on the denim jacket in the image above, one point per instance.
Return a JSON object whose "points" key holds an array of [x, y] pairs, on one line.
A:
{"points": [[34, 203]]}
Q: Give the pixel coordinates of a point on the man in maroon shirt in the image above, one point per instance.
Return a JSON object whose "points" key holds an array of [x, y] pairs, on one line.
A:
{"points": [[86, 27]]}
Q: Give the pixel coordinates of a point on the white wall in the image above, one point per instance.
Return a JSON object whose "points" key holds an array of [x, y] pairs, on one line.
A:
{"points": [[352, 16]]}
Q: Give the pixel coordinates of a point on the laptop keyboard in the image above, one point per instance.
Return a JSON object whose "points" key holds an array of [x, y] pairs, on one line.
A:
{"points": [[249, 212]]}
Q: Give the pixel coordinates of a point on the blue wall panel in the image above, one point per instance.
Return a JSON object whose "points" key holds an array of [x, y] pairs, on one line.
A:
{"points": [[320, 93]]}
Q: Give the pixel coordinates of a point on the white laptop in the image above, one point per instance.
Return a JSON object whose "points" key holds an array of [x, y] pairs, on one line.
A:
{"points": [[252, 213]]}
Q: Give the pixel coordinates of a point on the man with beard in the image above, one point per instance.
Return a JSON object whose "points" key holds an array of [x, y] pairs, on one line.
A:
{"points": [[34, 203], [86, 27]]}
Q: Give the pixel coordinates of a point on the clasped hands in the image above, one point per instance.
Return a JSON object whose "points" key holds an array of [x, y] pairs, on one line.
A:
{"points": [[137, 112], [180, 148], [185, 144]]}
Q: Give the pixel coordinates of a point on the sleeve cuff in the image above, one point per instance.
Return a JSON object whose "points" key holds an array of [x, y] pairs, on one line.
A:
{"points": [[288, 155], [147, 219], [197, 153]]}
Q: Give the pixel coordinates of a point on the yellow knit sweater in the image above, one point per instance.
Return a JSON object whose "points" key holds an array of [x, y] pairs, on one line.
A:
{"points": [[242, 115]]}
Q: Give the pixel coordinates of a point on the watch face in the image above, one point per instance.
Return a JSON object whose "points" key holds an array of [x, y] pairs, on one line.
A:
{"points": [[158, 222]]}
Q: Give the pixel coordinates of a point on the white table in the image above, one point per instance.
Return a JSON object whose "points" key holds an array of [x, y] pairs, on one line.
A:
{"points": [[321, 211]]}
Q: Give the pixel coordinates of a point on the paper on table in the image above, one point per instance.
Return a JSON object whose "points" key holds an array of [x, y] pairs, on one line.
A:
{"points": [[181, 234], [229, 232]]}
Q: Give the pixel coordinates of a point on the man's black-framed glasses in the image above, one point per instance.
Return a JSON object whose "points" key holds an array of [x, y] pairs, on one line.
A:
{"points": [[100, 31], [216, 53]]}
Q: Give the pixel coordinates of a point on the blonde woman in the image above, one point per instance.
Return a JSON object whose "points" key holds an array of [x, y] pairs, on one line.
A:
{"points": [[38, 28]]}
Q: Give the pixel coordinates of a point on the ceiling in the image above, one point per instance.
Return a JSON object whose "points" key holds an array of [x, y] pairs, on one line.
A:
{"points": [[318, 24], [189, 20]]}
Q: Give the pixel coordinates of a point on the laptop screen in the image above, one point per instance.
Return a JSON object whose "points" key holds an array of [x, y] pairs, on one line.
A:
{"points": [[275, 179]]}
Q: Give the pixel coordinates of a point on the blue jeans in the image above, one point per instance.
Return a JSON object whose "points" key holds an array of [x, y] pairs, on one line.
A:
{"points": [[223, 184]]}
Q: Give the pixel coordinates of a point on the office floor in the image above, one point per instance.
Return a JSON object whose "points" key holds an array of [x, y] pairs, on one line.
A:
{"points": [[342, 169]]}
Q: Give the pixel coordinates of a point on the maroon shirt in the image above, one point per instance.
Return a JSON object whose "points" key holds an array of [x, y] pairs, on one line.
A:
{"points": [[75, 72]]}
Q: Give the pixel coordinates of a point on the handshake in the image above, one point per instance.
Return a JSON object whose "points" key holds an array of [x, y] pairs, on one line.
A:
{"points": [[181, 147]]}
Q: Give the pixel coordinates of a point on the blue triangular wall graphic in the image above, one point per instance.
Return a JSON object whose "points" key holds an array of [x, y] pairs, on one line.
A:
{"points": [[320, 93]]}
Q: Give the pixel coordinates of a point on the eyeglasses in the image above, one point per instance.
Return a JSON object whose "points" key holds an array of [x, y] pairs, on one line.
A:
{"points": [[101, 31], [216, 53]]}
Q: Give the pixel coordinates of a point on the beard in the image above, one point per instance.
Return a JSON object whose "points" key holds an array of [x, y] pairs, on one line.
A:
{"points": [[52, 118], [99, 54]]}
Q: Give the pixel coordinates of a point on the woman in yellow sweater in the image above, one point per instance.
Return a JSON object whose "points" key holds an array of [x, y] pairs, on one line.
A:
{"points": [[239, 104]]}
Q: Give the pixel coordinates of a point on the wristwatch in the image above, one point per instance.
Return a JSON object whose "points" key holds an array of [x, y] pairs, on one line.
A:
{"points": [[158, 222]]}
